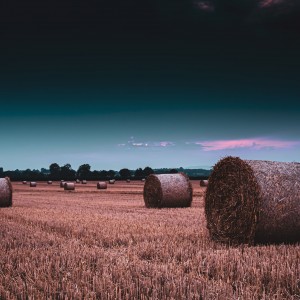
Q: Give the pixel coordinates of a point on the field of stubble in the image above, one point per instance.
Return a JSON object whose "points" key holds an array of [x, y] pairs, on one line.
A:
{"points": [[104, 244]]}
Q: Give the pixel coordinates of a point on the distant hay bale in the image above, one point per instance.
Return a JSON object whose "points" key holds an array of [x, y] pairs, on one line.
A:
{"points": [[69, 186], [203, 182], [143, 179], [62, 184], [49, 182], [5, 192], [252, 201], [127, 180], [77, 181], [168, 190], [32, 184], [24, 182], [101, 185], [84, 181], [111, 181]]}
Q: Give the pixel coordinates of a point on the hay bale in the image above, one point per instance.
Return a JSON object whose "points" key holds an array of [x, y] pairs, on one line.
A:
{"points": [[203, 182], [69, 186], [168, 190], [253, 201], [143, 179], [62, 184], [111, 181], [32, 184], [49, 182], [127, 180], [101, 185], [77, 181], [5, 192], [84, 181], [24, 182]]}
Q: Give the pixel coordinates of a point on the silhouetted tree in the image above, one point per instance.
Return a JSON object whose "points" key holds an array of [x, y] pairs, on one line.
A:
{"points": [[67, 173], [139, 173], [111, 174], [148, 171], [125, 173], [84, 171], [173, 171], [55, 171]]}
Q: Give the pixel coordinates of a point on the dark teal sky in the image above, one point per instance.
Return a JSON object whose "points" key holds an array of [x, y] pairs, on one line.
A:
{"points": [[160, 84]]}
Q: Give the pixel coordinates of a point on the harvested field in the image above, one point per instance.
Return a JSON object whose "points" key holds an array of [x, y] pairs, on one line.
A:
{"points": [[105, 244]]}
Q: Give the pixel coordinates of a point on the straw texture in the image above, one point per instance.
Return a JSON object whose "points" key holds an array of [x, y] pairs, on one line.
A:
{"points": [[168, 190], [253, 201], [5, 192]]}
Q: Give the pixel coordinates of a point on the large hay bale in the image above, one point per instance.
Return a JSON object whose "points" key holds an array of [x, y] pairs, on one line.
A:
{"points": [[203, 182], [32, 184], [253, 201], [101, 185], [69, 186], [168, 190], [5, 192]]}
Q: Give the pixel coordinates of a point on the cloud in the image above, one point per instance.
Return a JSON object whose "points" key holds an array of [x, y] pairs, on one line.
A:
{"points": [[255, 143], [151, 144]]}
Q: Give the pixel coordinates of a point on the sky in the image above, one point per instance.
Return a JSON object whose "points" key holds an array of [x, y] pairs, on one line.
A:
{"points": [[148, 83]]}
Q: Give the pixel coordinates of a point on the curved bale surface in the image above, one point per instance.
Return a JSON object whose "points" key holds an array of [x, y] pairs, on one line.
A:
{"points": [[5, 192], [203, 182], [253, 201], [69, 186], [101, 185], [32, 184], [168, 190]]}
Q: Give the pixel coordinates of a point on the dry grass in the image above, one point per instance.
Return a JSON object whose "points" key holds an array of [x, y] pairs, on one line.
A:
{"points": [[94, 244]]}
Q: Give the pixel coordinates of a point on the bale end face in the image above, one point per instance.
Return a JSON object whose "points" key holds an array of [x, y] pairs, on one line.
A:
{"points": [[6, 191], [168, 190], [231, 202]]}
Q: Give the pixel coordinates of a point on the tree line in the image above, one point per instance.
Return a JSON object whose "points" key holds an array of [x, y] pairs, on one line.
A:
{"points": [[65, 172]]}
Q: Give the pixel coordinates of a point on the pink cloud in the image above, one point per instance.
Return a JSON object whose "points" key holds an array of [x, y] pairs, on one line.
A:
{"points": [[255, 143]]}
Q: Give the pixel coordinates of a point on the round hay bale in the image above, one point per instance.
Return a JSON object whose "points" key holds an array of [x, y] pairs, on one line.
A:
{"points": [[5, 192], [32, 184], [49, 182], [101, 185], [62, 184], [111, 181], [69, 186], [253, 201], [203, 182], [84, 181], [168, 190], [143, 179], [127, 180], [77, 181], [24, 182]]}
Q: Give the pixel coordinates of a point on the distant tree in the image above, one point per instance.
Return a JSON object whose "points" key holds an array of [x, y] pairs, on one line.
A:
{"points": [[103, 175], [67, 173], [84, 171], [1, 172], [125, 173], [173, 171], [148, 171], [111, 174], [55, 171], [139, 173]]}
